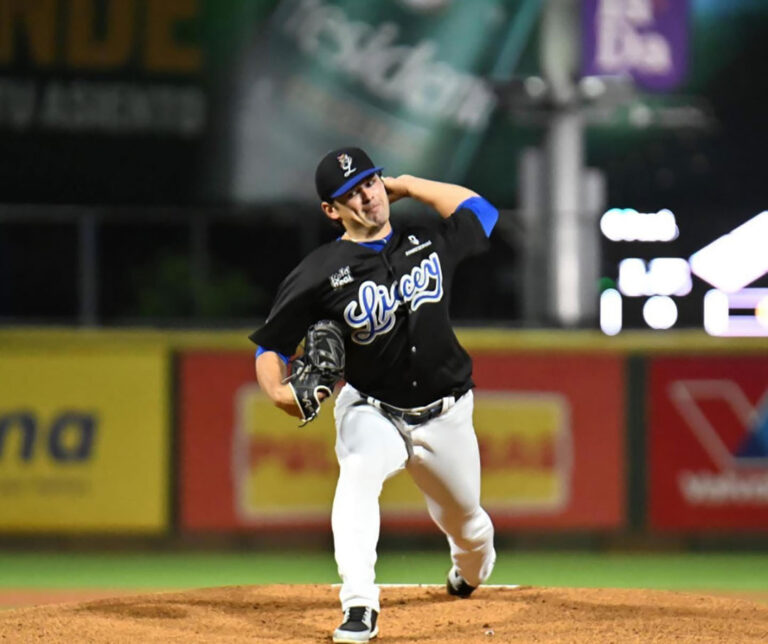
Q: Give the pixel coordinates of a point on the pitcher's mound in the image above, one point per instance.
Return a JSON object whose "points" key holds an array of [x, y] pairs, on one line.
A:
{"points": [[409, 614]]}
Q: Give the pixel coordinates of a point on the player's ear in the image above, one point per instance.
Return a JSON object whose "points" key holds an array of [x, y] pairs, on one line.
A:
{"points": [[330, 211]]}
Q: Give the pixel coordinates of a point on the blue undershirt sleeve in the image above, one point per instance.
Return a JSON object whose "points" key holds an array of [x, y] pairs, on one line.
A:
{"points": [[484, 210], [260, 350]]}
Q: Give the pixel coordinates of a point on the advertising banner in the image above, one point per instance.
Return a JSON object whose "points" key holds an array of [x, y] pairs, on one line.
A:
{"points": [[119, 85], [244, 464], [643, 38], [194, 101], [708, 443], [84, 441], [550, 433], [406, 79], [561, 461]]}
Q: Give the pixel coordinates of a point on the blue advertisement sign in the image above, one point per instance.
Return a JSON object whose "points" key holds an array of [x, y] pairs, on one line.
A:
{"points": [[647, 39]]}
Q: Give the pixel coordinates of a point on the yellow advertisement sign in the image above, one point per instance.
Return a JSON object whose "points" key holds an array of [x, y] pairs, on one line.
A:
{"points": [[526, 450], [283, 473], [84, 441]]}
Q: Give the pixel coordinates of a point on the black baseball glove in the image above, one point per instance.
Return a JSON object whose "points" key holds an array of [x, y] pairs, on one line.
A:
{"points": [[319, 369]]}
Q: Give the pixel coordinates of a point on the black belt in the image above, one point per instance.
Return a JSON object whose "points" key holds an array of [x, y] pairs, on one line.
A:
{"points": [[414, 415]]}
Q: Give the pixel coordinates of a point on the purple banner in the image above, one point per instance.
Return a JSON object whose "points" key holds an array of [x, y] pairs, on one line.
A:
{"points": [[647, 39]]}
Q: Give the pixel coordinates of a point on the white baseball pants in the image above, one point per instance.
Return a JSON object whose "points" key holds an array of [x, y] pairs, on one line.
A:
{"points": [[445, 465]]}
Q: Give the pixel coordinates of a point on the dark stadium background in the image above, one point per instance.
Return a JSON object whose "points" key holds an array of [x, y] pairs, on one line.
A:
{"points": [[152, 197]]}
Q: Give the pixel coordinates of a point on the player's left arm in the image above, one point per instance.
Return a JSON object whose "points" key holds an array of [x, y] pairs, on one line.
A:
{"points": [[271, 372], [446, 198]]}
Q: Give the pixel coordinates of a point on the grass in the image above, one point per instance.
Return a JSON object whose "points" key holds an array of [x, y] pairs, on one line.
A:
{"points": [[572, 569]]}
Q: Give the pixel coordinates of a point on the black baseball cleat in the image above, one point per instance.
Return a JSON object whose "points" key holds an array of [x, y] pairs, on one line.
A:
{"points": [[359, 626], [456, 586]]}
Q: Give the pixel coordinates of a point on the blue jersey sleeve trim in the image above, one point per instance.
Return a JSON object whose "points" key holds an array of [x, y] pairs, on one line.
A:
{"points": [[484, 210], [260, 350]]}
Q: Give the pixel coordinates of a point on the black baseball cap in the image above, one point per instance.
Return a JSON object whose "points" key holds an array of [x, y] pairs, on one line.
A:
{"points": [[341, 170]]}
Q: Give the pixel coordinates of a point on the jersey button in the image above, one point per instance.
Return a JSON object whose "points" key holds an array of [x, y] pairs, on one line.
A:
{"points": [[414, 384], [413, 349]]}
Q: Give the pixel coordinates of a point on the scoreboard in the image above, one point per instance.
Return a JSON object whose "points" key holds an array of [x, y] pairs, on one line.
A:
{"points": [[661, 272]]}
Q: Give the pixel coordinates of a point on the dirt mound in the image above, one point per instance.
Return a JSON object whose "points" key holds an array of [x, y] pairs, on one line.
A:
{"points": [[409, 614]]}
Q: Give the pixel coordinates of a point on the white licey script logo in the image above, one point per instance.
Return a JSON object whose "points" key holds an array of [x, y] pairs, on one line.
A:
{"points": [[345, 161], [373, 313]]}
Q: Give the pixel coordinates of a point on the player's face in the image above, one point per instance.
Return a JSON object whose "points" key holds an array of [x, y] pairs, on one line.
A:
{"points": [[363, 210]]}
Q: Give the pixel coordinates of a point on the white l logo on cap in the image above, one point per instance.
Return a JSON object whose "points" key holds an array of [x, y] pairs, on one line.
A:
{"points": [[345, 161]]}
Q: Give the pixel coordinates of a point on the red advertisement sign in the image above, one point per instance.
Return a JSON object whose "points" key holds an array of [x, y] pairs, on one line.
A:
{"points": [[708, 443], [243, 464], [550, 430], [585, 457]]}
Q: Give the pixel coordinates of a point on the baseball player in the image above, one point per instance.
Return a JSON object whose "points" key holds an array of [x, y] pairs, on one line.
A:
{"points": [[407, 402]]}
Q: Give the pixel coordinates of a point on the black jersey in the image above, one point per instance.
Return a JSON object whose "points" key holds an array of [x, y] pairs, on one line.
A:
{"points": [[400, 346]]}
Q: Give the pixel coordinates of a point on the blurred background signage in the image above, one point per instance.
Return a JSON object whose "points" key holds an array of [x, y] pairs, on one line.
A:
{"points": [[708, 443], [160, 153], [77, 454], [647, 39], [102, 83], [406, 79], [549, 429], [735, 264]]}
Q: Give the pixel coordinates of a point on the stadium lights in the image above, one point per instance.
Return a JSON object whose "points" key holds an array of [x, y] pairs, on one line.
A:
{"points": [[751, 319], [660, 312], [729, 263], [736, 259], [656, 279], [610, 311], [627, 224], [661, 276]]}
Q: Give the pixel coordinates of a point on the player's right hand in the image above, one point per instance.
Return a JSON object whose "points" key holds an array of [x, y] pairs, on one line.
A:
{"points": [[397, 187]]}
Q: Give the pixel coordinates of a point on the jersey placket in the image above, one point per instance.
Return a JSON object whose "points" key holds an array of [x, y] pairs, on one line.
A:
{"points": [[395, 274]]}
